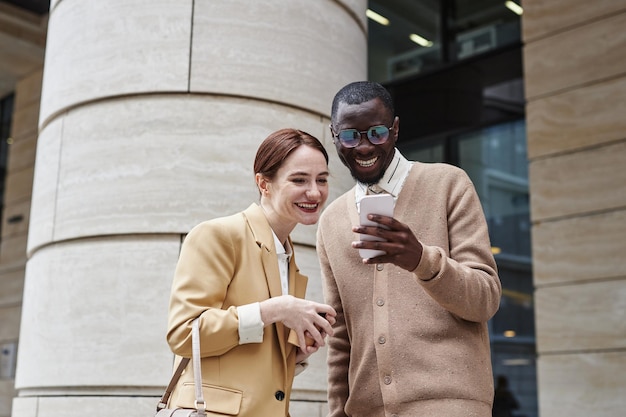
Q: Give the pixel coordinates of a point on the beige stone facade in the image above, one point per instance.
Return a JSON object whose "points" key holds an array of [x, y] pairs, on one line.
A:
{"points": [[575, 75], [144, 120]]}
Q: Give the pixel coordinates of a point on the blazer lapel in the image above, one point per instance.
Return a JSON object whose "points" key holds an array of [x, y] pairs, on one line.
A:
{"points": [[265, 239], [297, 281], [270, 268]]}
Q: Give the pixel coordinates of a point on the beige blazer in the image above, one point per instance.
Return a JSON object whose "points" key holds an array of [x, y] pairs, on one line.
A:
{"points": [[225, 263]]}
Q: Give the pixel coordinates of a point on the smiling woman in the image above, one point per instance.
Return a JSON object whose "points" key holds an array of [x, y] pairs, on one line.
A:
{"points": [[238, 275], [297, 192]]}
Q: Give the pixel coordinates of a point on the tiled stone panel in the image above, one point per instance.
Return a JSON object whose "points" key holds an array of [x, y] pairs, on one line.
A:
{"points": [[582, 385], [585, 117], [30, 89], [25, 116], [43, 202], [579, 249], [13, 250], [590, 53], [95, 314], [116, 47], [599, 311], [276, 57], [231, 50], [579, 183], [78, 406], [307, 408], [22, 150], [18, 185], [155, 164], [12, 278], [10, 319], [575, 83], [542, 18], [22, 42], [15, 219]]}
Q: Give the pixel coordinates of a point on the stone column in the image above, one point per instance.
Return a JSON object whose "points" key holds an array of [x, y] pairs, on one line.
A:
{"points": [[150, 116]]}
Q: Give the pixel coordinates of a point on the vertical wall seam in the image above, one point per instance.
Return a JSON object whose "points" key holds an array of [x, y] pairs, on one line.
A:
{"points": [[193, 4], [58, 181]]}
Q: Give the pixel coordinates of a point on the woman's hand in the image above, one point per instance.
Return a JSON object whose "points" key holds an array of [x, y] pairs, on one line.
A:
{"points": [[307, 318], [302, 355]]}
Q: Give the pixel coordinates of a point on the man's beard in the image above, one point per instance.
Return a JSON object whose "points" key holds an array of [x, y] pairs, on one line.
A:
{"points": [[368, 181]]}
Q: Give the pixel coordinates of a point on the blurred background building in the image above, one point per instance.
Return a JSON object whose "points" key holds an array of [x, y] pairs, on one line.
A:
{"points": [[124, 123]]}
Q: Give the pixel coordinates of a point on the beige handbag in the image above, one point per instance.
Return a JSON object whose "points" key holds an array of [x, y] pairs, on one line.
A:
{"points": [[200, 410]]}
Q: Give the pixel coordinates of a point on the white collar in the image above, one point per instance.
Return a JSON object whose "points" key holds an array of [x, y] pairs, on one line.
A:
{"points": [[280, 249], [392, 180]]}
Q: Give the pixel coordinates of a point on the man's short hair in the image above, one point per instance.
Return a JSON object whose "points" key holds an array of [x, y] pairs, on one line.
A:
{"points": [[359, 92]]}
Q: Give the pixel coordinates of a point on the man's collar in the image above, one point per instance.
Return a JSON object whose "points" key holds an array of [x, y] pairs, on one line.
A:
{"points": [[392, 180]]}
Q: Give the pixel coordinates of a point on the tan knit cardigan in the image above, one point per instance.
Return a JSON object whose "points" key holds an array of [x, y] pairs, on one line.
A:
{"points": [[413, 343]]}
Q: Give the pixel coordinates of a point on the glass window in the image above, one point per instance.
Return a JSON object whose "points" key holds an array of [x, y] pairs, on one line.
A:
{"points": [[478, 26], [404, 38], [495, 159], [411, 37]]}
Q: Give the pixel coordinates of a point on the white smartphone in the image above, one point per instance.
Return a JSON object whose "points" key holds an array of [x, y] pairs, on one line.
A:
{"points": [[374, 204]]}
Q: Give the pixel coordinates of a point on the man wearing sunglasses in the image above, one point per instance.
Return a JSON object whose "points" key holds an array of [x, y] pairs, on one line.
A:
{"points": [[411, 336]]}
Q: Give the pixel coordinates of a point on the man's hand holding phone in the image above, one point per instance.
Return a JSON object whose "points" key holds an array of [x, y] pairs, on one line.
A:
{"points": [[385, 239]]}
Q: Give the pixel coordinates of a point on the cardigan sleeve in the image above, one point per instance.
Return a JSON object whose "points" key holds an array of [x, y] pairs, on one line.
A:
{"points": [[462, 278]]}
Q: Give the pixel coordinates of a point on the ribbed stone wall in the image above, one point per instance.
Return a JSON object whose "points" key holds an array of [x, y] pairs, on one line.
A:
{"points": [[576, 90], [150, 116]]}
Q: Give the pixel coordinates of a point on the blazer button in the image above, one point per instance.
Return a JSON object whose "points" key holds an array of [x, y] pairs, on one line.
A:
{"points": [[279, 395]]}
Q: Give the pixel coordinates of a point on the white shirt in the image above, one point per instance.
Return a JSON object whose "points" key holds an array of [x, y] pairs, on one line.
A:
{"points": [[250, 323], [283, 254]]}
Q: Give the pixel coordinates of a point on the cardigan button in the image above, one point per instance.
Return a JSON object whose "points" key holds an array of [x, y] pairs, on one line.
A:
{"points": [[279, 395], [380, 267], [380, 302]]}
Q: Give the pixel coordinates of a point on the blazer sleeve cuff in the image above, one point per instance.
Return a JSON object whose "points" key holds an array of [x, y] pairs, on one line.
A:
{"points": [[250, 324]]}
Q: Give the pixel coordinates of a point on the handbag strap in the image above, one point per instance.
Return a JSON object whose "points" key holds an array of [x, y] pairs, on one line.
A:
{"points": [[197, 369], [168, 391], [197, 373]]}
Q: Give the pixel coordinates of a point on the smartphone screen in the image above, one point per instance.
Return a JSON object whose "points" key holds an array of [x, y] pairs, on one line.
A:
{"points": [[374, 204]]}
